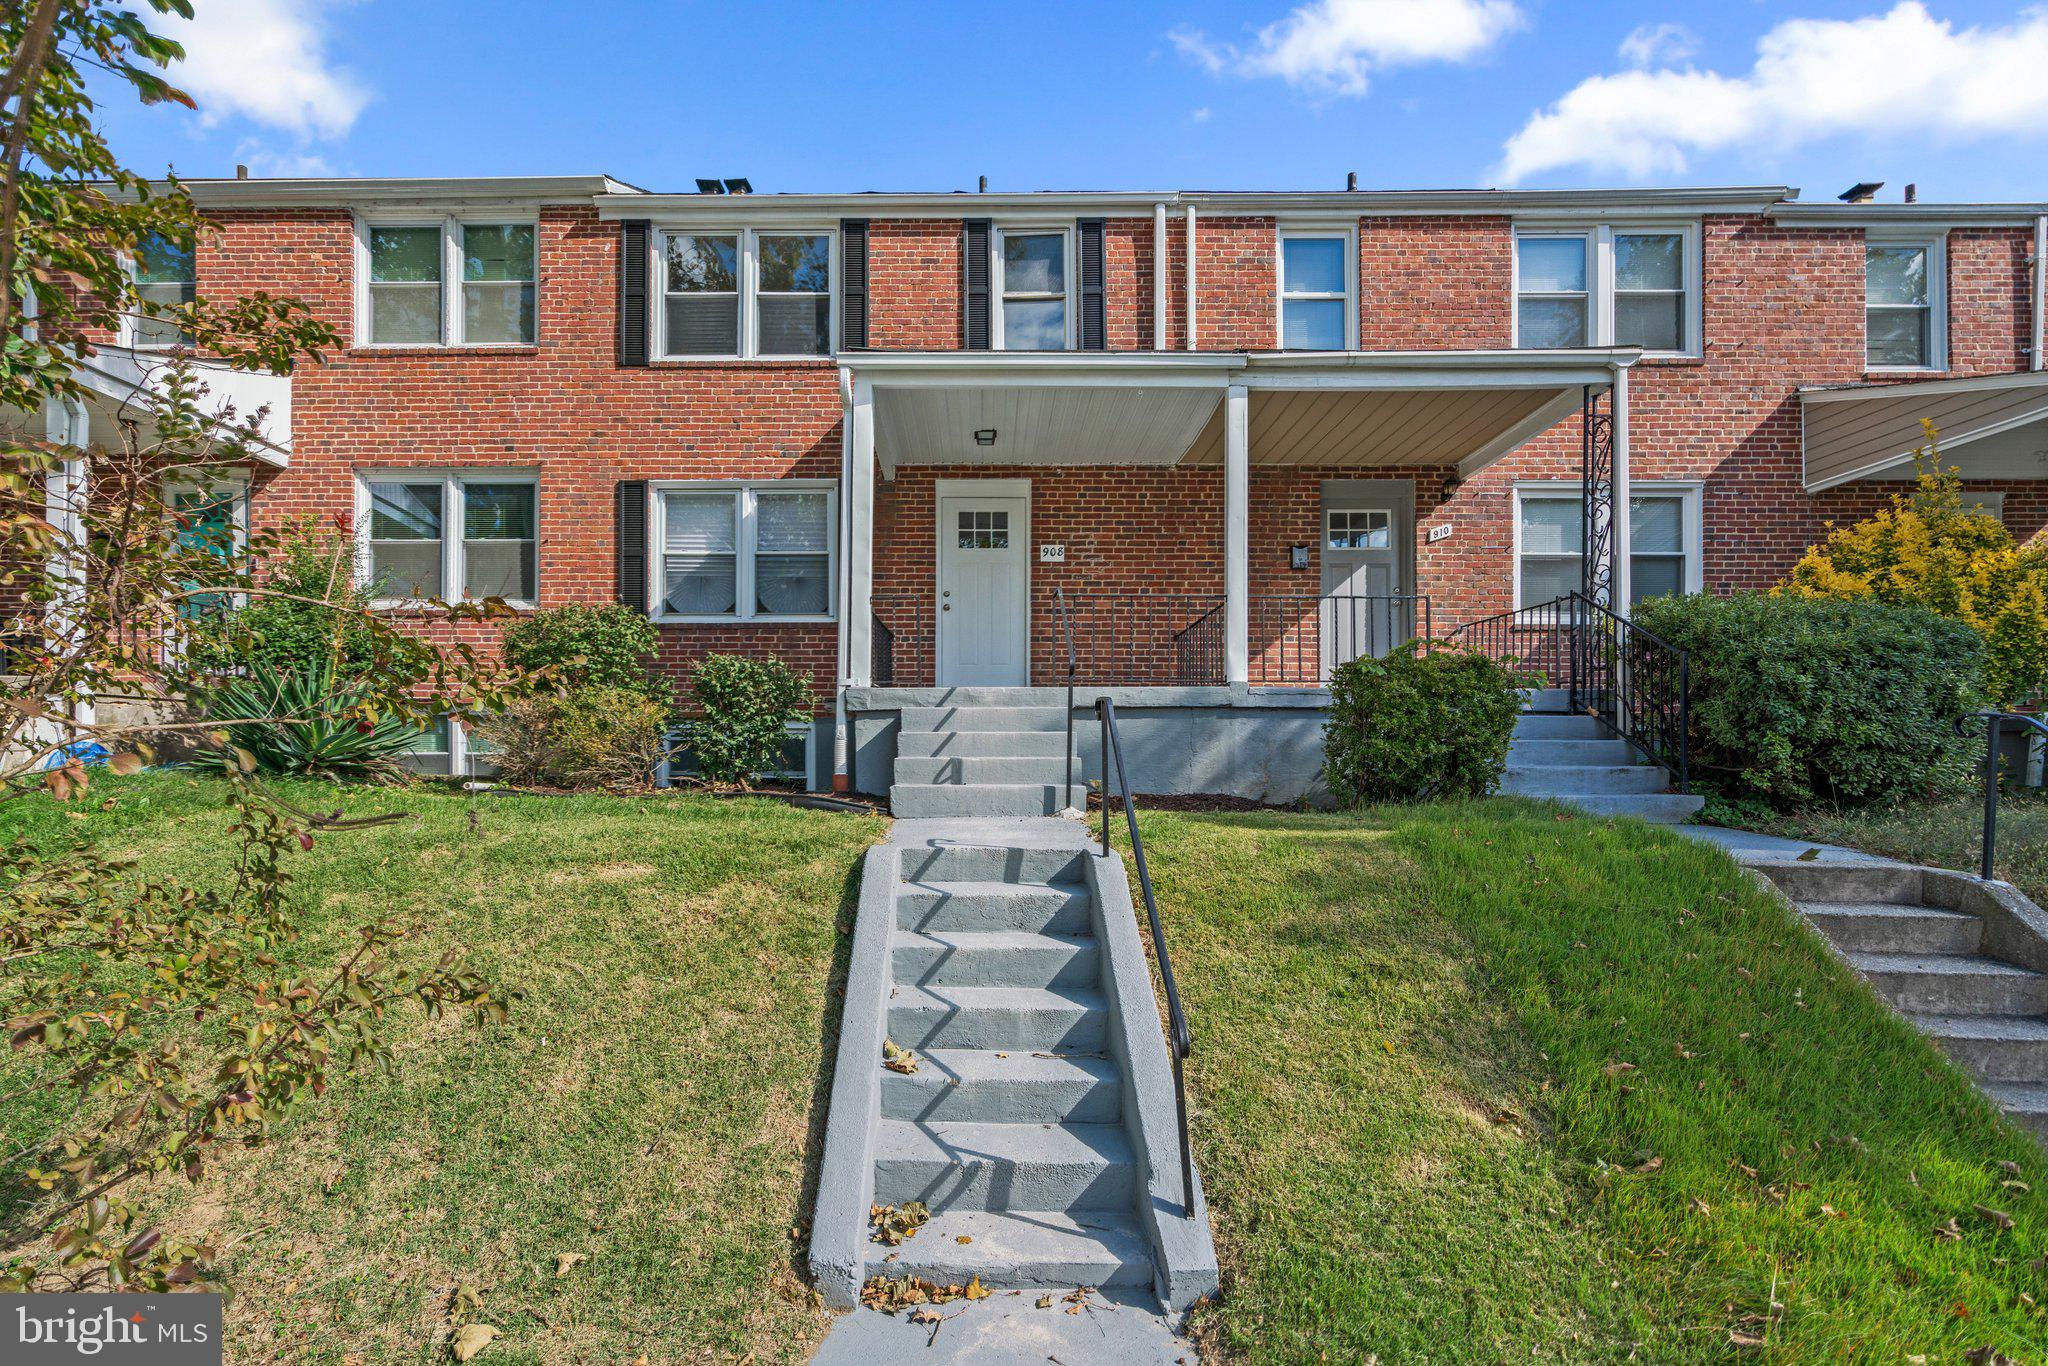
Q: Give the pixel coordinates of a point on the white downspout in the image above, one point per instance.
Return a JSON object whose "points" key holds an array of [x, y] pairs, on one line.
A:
{"points": [[841, 774], [1191, 278], [1159, 277], [65, 490], [2036, 360]]}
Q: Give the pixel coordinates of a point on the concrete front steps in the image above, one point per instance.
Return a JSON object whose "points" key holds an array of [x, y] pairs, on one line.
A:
{"points": [[1966, 961], [984, 752], [1033, 1127], [1578, 761]]}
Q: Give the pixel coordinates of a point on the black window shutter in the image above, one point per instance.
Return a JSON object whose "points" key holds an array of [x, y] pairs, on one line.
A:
{"points": [[1093, 333], [974, 297], [633, 310], [629, 526], [853, 284]]}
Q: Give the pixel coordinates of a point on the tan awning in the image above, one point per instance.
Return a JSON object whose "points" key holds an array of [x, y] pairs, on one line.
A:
{"points": [[1995, 427]]}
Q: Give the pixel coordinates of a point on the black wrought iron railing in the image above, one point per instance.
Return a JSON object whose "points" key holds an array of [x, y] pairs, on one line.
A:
{"points": [[1198, 649], [1994, 725], [1179, 1042], [882, 647], [1065, 628], [1141, 638], [1637, 685], [1299, 639]]}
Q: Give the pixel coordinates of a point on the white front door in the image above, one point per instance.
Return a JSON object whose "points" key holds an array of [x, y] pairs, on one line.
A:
{"points": [[984, 591], [1361, 576]]}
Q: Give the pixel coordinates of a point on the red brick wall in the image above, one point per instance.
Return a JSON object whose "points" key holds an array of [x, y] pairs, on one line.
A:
{"points": [[914, 281], [1430, 284], [1236, 273]]}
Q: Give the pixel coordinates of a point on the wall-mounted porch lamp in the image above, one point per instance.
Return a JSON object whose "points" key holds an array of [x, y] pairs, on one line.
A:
{"points": [[986, 436]]}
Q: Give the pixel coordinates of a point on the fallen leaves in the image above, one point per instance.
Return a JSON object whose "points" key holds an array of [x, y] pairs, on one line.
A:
{"points": [[891, 1295], [1999, 1217], [898, 1059], [565, 1262], [470, 1339], [1950, 1232], [895, 1223], [1617, 1069]]}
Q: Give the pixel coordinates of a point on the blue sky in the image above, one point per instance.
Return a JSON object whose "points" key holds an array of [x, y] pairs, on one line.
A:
{"points": [[1258, 94]]}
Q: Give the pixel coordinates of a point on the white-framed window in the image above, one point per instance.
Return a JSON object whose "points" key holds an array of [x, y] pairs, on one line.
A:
{"points": [[1033, 275], [1316, 290], [166, 273], [1610, 285], [1905, 311], [449, 535], [765, 551], [748, 293], [447, 280], [1665, 541]]}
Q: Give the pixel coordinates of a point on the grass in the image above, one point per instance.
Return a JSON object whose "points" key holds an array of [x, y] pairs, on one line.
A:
{"points": [[649, 1105], [1944, 834], [1489, 1081]]}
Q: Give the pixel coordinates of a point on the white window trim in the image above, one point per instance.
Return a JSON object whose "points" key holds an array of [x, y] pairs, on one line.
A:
{"points": [[749, 287], [450, 224], [746, 492], [1600, 290], [1691, 538], [451, 481], [998, 290], [1936, 246], [1349, 237]]}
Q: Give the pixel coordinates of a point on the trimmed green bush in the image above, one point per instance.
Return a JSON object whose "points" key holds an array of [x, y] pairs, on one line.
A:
{"points": [[585, 738], [1419, 725], [604, 646], [744, 705], [279, 629], [304, 720], [1796, 700]]}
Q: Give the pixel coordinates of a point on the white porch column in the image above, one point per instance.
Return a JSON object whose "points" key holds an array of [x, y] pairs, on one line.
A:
{"points": [[65, 490], [1617, 540], [1237, 503], [860, 549]]}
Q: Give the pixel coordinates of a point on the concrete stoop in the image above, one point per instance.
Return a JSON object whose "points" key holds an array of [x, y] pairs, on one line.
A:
{"points": [[1965, 960], [1039, 1125], [988, 752], [1574, 759]]}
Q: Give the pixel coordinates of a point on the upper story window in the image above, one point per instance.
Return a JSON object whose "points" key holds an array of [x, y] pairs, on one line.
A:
{"points": [[447, 282], [424, 530], [747, 294], [746, 551], [1608, 286], [1315, 291], [165, 275], [1032, 280], [1903, 310]]}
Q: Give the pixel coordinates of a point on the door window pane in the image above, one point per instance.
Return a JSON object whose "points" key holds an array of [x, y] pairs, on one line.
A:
{"points": [[703, 302], [405, 285], [700, 548], [984, 530], [405, 539], [1371, 529], [499, 541], [498, 278]]}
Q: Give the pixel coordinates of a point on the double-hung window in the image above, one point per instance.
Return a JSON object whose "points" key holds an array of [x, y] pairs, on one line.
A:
{"points": [[746, 552], [1315, 291], [1550, 542], [448, 282], [433, 535], [1903, 305], [1608, 286], [1033, 275], [742, 294], [165, 277]]}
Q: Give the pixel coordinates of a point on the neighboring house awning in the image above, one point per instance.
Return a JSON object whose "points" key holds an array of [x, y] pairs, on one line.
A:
{"points": [[1995, 427]]}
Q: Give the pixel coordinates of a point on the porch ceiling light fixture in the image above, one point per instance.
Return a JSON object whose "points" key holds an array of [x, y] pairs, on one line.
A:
{"points": [[985, 436]]}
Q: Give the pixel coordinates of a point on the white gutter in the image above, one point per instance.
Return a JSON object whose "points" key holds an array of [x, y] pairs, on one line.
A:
{"points": [[1159, 279], [2040, 290], [1191, 278], [841, 748]]}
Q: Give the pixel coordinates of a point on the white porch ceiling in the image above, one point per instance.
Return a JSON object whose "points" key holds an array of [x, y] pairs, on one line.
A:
{"points": [[1376, 428], [1085, 425]]}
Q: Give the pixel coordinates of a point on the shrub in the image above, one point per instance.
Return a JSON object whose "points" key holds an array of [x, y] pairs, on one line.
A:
{"points": [[1930, 549], [1419, 725], [744, 706], [604, 646], [305, 720], [1796, 699], [588, 737], [308, 617]]}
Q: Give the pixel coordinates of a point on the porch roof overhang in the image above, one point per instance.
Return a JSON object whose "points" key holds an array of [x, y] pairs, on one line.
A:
{"points": [[1358, 409], [1991, 427], [123, 386]]}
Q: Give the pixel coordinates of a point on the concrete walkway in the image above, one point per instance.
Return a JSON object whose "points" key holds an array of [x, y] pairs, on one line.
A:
{"points": [[1009, 1329], [1747, 846]]}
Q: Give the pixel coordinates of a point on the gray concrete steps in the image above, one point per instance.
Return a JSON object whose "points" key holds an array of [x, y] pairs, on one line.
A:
{"points": [[915, 801], [1953, 984], [1041, 1250], [980, 744], [1546, 699], [961, 770], [2024, 1105], [1019, 1086], [2010, 1048], [1892, 883], [1560, 780], [948, 907], [1008, 1167], [1001, 958], [985, 863], [969, 718], [1658, 808], [1538, 726], [1889, 927], [1534, 752], [1049, 1019]]}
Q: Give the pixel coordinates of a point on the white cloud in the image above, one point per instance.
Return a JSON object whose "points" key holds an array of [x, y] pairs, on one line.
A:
{"points": [[1902, 72], [267, 61], [1653, 43], [1334, 45], [262, 161]]}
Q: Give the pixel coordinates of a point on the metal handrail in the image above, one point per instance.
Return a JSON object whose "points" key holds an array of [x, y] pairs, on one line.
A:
{"points": [[1065, 624], [1180, 1042], [1994, 722]]}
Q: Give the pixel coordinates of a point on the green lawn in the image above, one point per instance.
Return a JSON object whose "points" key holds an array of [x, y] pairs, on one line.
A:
{"points": [[1945, 834], [1490, 1081], [649, 1105]]}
